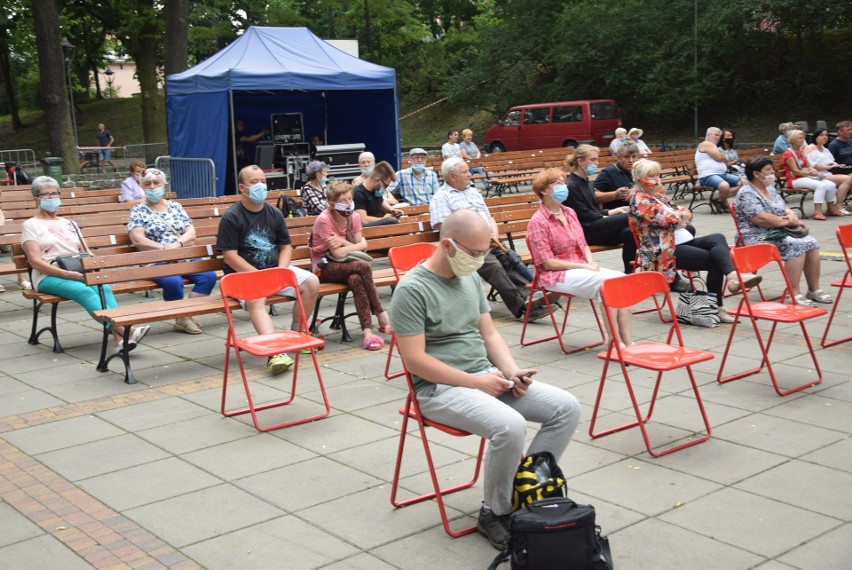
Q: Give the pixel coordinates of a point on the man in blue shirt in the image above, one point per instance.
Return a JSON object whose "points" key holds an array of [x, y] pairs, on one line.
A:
{"points": [[841, 147], [105, 141], [781, 143], [415, 185]]}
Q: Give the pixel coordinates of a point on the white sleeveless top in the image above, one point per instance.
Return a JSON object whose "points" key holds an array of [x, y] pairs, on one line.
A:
{"points": [[706, 165]]}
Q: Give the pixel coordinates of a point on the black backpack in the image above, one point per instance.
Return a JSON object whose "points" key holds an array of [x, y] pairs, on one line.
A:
{"points": [[290, 207], [555, 534]]}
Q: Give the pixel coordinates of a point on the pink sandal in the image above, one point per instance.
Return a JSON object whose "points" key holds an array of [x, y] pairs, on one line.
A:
{"points": [[386, 330], [373, 343]]}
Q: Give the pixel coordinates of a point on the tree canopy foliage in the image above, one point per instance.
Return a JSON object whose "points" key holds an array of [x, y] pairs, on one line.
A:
{"points": [[489, 54]]}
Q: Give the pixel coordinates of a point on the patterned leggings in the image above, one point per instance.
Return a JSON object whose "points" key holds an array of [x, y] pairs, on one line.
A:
{"points": [[358, 276]]}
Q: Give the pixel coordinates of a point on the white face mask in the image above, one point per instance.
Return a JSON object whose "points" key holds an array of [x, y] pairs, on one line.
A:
{"points": [[463, 263]]}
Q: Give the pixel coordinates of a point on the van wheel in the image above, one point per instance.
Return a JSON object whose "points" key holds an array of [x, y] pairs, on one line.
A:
{"points": [[497, 147], [572, 144]]}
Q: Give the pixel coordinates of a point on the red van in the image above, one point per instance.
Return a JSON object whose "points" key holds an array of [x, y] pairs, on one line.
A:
{"points": [[549, 125]]}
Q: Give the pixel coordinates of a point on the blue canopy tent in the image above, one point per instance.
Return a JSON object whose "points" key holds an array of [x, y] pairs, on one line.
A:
{"points": [[281, 70]]}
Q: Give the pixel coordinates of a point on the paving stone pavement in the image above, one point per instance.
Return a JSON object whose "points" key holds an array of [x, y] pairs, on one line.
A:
{"points": [[98, 474]]}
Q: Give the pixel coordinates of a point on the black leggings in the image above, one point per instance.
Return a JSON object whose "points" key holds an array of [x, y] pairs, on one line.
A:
{"points": [[613, 230], [707, 253]]}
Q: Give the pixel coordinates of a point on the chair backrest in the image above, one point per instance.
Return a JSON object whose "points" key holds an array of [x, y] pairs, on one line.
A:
{"points": [[751, 258], [248, 285], [844, 238], [623, 292], [405, 257], [738, 241]]}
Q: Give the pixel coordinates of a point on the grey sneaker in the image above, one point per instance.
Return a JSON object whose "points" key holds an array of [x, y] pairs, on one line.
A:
{"points": [[494, 527]]}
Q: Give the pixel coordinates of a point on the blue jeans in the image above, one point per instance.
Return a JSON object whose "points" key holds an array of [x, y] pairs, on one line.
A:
{"points": [[173, 285], [503, 422], [105, 154], [77, 291], [715, 179]]}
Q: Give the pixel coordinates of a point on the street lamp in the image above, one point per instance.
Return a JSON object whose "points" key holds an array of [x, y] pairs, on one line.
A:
{"points": [[110, 77], [68, 50]]}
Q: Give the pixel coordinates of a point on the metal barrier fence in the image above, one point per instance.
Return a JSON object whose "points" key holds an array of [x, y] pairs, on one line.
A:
{"points": [[26, 157], [189, 177], [147, 153]]}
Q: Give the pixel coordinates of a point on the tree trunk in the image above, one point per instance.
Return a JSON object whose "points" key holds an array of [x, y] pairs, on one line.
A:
{"points": [[8, 84], [51, 66], [177, 36], [146, 71]]}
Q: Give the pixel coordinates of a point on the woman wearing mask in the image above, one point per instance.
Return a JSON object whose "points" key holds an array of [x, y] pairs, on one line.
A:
{"points": [[47, 236], [665, 245], [164, 224], [800, 174], [560, 253], [337, 231], [601, 226], [635, 135], [821, 159], [313, 192], [131, 191], [759, 208]]}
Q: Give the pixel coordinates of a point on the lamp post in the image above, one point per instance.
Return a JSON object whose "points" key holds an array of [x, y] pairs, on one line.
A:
{"points": [[68, 50], [110, 77]]}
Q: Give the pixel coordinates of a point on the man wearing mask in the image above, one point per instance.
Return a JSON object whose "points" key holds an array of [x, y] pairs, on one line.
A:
{"points": [[458, 194], [370, 200], [252, 236], [463, 372], [614, 184], [415, 185]]}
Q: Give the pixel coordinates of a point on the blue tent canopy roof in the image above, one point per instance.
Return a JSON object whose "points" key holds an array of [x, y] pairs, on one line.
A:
{"points": [[281, 58], [280, 70]]}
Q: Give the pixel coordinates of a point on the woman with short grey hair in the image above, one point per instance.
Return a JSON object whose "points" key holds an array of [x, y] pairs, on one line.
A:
{"points": [[313, 192], [46, 237]]}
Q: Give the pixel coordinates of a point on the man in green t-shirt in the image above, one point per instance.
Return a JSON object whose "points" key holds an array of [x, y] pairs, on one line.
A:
{"points": [[464, 374]]}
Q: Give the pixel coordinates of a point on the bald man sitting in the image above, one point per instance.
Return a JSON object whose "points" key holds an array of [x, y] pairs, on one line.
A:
{"points": [[463, 372]]}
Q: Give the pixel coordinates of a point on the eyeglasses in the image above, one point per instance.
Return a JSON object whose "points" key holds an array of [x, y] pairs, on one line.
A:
{"points": [[153, 172], [476, 254], [49, 195]]}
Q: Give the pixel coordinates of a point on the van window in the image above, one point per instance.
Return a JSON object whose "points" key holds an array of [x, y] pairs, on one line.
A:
{"points": [[537, 116], [512, 118], [571, 114], [604, 111]]}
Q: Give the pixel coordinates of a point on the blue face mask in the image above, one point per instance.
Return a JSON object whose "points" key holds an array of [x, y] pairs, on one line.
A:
{"points": [[380, 192], [591, 169], [560, 193], [50, 204], [418, 167], [324, 180], [154, 195], [257, 193]]}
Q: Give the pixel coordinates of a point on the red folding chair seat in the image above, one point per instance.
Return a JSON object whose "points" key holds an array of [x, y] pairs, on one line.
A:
{"points": [[627, 291], [403, 258], [844, 238], [411, 410], [749, 259], [257, 285], [559, 331]]}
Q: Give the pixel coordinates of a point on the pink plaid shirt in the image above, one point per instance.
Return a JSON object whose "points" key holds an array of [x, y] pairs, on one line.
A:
{"points": [[549, 238]]}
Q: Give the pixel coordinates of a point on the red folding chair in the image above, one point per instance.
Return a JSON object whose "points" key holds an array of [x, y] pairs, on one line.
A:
{"points": [[403, 258], [411, 410], [257, 285], [559, 332], [627, 291], [844, 238], [748, 259]]}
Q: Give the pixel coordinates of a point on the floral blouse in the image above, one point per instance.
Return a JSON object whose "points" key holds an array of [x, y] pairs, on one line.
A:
{"points": [[654, 220], [161, 227]]}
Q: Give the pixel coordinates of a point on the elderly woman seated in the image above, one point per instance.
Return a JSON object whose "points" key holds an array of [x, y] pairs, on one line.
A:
{"points": [[800, 174], [157, 223], [665, 245], [759, 209], [313, 192], [560, 253], [46, 237]]}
